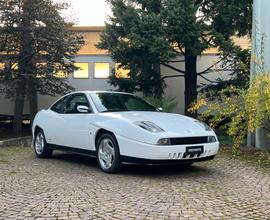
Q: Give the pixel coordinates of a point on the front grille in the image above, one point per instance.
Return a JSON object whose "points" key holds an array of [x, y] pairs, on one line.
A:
{"points": [[189, 140]]}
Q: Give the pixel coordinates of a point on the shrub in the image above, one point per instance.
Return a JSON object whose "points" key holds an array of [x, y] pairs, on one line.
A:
{"points": [[246, 109]]}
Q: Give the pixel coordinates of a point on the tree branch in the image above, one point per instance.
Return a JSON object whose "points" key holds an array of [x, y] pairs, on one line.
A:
{"points": [[207, 79], [181, 50], [210, 39], [176, 51], [209, 68], [173, 68], [176, 61], [172, 76], [215, 70]]}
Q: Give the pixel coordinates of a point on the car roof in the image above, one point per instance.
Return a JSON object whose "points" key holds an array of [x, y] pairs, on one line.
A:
{"points": [[101, 91]]}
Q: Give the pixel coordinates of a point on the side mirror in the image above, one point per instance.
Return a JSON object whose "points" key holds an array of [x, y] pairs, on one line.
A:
{"points": [[82, 109], [160, 109]]}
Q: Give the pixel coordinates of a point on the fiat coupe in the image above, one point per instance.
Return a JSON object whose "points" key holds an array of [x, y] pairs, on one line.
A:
{"points": [[119, 128]]}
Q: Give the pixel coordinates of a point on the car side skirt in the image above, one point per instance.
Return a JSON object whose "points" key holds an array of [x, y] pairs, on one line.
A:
{"points": [[72, 150]]}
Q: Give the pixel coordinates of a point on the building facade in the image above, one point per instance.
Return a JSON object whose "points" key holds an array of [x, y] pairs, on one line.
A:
{"points": [[96, 66]]}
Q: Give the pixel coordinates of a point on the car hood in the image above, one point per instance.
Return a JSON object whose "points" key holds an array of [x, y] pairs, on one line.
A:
{"points": [[171, 123]]}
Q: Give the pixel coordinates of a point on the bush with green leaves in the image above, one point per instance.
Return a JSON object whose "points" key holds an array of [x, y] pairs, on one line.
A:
{"points": [[244, 109]]}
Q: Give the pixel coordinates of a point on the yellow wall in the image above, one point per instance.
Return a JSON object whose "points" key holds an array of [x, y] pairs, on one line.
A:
{"points": [[243, 42], [91, 35]]}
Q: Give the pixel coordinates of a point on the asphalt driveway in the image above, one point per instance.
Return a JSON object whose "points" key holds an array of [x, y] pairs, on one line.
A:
{"points": [[72, 187]]}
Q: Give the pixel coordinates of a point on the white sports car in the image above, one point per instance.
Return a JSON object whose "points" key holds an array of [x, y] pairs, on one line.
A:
{"points": [[120, 128]]}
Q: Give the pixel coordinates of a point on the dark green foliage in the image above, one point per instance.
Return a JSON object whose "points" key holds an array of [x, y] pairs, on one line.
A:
{"points": [[35, 44], [136, 39], [142, 34], [49, 42]]}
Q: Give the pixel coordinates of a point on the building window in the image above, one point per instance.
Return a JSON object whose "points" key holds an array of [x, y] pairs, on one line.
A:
{"points": [[2, 66], [82, 72], [102, 70], [120, 72]]}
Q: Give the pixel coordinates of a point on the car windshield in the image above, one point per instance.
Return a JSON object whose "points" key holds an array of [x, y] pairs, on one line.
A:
{"points": [[116, 102]]}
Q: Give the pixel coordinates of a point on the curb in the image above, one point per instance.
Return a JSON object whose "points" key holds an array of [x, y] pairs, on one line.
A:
{"points": [[18, 142]]}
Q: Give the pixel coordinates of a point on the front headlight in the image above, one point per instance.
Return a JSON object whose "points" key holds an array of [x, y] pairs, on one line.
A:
{"points": [[149, 126], [164, 141], [211, 139]]}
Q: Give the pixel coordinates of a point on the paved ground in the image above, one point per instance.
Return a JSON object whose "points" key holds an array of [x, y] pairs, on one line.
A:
{"points": [[72, 187]]}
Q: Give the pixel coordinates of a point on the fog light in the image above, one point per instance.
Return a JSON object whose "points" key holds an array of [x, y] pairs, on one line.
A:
{"points": [[164, 141], [211, 139]]}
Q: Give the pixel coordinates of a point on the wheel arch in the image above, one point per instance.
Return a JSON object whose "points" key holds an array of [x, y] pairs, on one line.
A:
{"points": [[36, 129], [100, 132]]}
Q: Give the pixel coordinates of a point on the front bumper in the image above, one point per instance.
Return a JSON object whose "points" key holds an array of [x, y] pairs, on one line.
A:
{"points": [[131, 150]]}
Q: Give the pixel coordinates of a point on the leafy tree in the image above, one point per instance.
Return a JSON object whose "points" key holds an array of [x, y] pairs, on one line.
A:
{"points": [[37, 47], [141, 34]]}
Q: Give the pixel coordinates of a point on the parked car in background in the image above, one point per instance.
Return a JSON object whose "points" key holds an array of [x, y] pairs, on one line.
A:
{"points": [[120, 128]]}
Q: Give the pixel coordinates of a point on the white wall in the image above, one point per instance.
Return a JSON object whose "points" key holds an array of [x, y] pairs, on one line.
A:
{"points": [[7, 106], [175, 86]]}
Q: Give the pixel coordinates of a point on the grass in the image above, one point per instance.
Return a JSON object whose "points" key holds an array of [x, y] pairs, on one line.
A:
{"points": [[8, 152]]}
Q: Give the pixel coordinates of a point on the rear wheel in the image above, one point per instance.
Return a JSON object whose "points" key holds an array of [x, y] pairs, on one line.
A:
{"points": [[108, 154], [40, 145]]}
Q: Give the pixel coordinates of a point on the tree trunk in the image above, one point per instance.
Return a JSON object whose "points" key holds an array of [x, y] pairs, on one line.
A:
{"points": [[25, 66], [33, 99], [190, 81], [159, 89], [19, 105]]}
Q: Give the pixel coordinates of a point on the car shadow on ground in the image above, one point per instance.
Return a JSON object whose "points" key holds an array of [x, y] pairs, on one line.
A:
{"points": [[138, 170]]}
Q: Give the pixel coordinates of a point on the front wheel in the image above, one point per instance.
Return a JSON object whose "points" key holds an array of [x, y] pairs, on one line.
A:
{"points": [[108, 154], [40, 145]]}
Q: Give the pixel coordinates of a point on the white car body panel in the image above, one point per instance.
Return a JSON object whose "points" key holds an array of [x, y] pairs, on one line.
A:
{"points": [[79, 131], [155, 152]]}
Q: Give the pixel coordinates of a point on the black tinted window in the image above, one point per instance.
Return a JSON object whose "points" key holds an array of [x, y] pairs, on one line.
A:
{"points": [[110, 102], [59, 106], [74, 101]]}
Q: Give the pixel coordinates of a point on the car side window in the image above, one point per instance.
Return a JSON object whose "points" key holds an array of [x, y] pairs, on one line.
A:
{"points": [[59, 106], [74, 101]]}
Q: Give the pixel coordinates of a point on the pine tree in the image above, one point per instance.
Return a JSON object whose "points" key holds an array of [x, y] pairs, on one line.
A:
{"points": [[36, 46], [141, 34]]}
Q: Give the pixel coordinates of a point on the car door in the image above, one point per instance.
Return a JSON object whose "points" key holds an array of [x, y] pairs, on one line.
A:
{"points": [[55, 122], [76, 130]]}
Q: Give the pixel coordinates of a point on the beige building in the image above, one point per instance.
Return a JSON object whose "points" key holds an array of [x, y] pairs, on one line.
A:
{"points": [[96, 65]]}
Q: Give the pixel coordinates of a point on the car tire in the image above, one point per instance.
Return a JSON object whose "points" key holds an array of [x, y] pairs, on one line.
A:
{"points": [[108, 154], [41, 146]]}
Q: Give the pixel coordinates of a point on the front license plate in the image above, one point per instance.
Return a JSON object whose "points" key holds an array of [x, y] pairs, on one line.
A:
{"points": [[194, 150]]}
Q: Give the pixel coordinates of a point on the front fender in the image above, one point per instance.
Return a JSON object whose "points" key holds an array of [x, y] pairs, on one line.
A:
{"points": [[125, 128]]}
